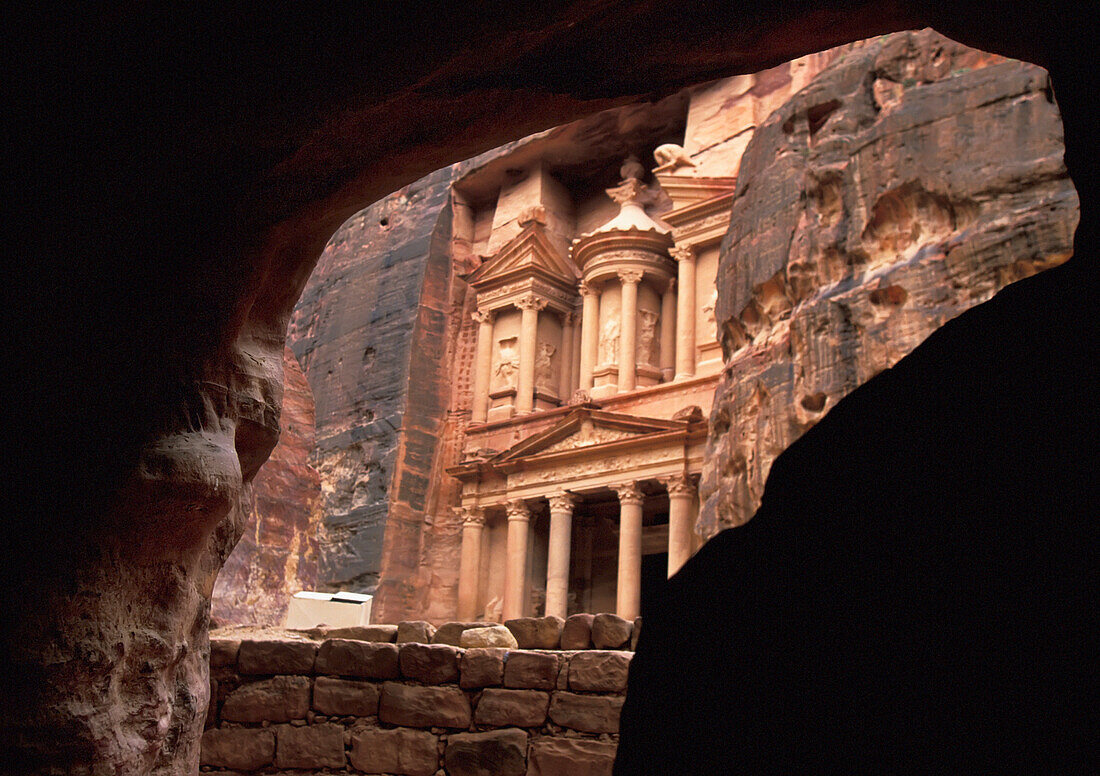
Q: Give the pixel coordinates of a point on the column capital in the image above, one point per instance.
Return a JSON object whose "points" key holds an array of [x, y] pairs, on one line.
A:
{"points": [[679, 485], [483, 315], [671, 286], [588, 289], [630, 275], [471, 516], [530, 302], [562, 502], [629, 493], [682, 253], [518, 510], [568, 319]]}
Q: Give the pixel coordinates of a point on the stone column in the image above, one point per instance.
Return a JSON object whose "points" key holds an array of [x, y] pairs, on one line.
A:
{"points": [[557, 564], [529, 306], [628, 597], [483, 367], [473, 521], [565, 363], [668, 332], [681, 519], [590, 334], [685, 312], [628, 329], [515, 570]]}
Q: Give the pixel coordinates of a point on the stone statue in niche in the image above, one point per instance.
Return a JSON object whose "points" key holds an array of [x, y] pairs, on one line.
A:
{"points": [[647, 336], [708, 314], [609, 341], [672, 156], [507, 364], [544, 367]]}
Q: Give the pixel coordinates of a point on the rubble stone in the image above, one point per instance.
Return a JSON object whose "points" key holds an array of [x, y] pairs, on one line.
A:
{"points": [[279, 699], [576, 633], [587, 713], [397, 751], [244, 749], [521, 708], [496, 753], [345, 697], [276, 657], [530, 670], [310, 746], [415, 631], [489, 636], [536, 632], [571, 757], [430, 663], [482, 667], [599, 671], [610, 631], [423, 707]]}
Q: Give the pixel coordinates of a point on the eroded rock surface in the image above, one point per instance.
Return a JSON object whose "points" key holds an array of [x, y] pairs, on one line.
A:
{"points": [[908, 182], [278, 553]]}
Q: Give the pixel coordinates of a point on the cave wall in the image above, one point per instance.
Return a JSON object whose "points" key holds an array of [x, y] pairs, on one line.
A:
{"points": [[278, 553], [910, 181]]}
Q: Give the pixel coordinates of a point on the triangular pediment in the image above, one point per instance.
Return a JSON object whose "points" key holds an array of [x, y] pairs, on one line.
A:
{"points": [[530, 253], [586, 428]]}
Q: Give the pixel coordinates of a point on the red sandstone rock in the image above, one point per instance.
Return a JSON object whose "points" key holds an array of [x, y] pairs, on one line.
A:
{"points": [[344, 697], [280, 699], [367, 660], [398, 751], [496, 753], [610, 631], [223, 652], [278, 554], [502, 708], [482, 667], [489, 636], [906, 183], [416, 631], [311, 746], [571, 757], [536, 632], [430, 663], [451, 632], [599, 671], [276, 657], [532, 670], [244, 749], [577, 631], [587, 713], [381, 633], [412, 706]]}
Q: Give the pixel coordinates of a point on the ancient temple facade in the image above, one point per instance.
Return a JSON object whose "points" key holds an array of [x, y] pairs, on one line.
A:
{"points": [[596, 360]]}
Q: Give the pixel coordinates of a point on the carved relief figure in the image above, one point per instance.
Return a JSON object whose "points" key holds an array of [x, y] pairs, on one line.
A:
{"points": [[647, 335], [609, 341], [672, 155], [544, 367], [504, 376], [708, 314]]}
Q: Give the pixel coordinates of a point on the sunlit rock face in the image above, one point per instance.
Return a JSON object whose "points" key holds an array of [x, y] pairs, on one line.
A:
{"points": [[908, 182], [277, 555]]}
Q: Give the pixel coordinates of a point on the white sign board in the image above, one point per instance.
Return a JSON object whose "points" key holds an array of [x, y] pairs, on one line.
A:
{"points": [[336, 610]]}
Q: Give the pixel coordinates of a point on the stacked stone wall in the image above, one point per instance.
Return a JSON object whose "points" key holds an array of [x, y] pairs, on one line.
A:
{"points": [[417, 709]]}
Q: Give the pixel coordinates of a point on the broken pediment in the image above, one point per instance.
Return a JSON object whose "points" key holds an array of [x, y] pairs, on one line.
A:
{"points": [[531, 253]]}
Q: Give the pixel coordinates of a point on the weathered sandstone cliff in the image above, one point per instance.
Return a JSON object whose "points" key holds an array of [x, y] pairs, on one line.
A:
{"points": [[908, 182], [277, 554]]}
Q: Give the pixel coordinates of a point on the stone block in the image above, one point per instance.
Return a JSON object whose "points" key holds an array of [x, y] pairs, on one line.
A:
{"points": [[398, 751], [415, 631], [571, 757], [576, 633], [223, 652], [310, 746], [451, 632], [276, 657], [412, 706], [279, 699], [587, 713], [362, 659], [496, 753], [244, 749], [610, 631], [482, 668], [518, 708], [536, 632], [489, 636], [345, 697], [598, 671], [430, 663], [385, 634], [530, 670], [635, 634]]}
